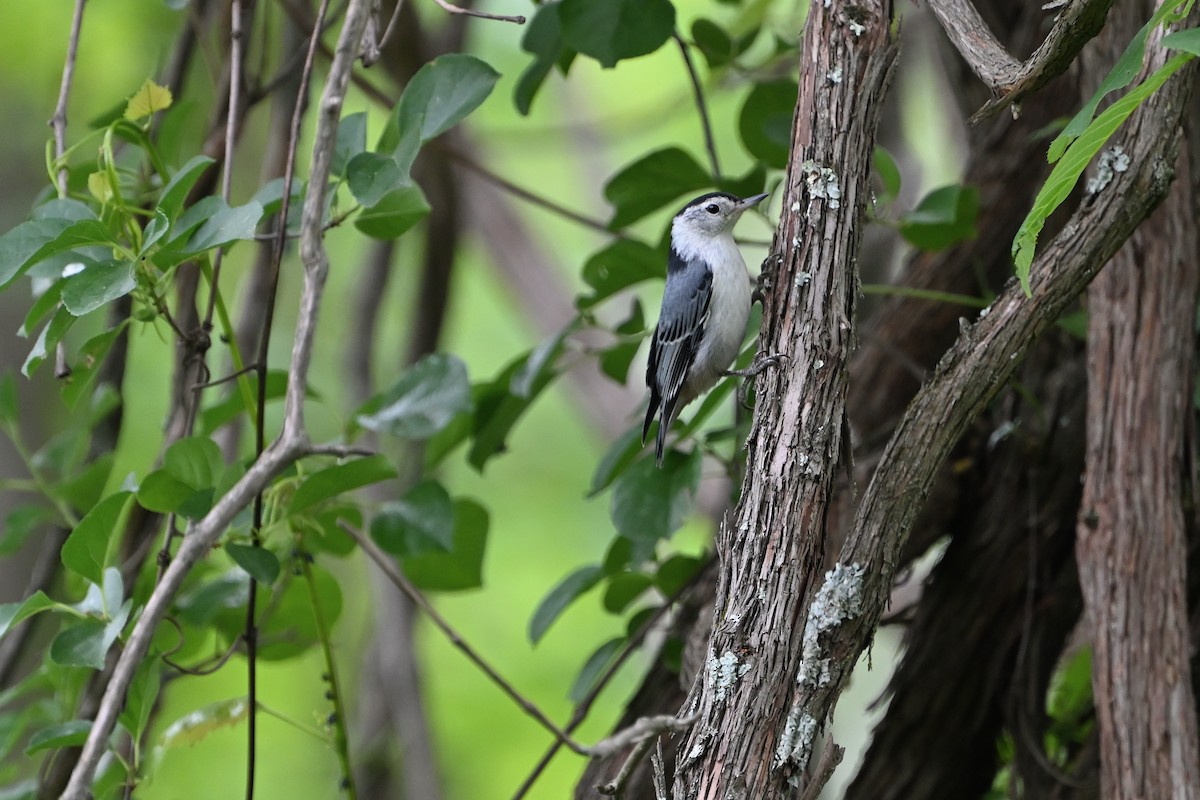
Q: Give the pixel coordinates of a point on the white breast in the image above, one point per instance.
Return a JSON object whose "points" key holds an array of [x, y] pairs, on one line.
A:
{"points": [[728, 313]]}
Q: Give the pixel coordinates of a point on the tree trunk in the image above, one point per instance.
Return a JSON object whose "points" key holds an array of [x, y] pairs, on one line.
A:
{"points": [[750, 739], [1132, 546]]}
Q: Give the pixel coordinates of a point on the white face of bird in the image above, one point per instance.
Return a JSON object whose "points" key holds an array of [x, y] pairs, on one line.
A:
{"points": [[713, 215]]}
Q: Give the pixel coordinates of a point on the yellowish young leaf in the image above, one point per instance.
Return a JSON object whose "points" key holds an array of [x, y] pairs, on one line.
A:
{"points": [[98, 186], [148, 99]]}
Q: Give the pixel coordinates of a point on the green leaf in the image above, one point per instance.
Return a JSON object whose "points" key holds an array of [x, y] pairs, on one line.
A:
{"points": [[225, 226], [163, 493], [64, 734], [142, 696], [85, 551], [1066, 172], [752, 182], [612, 30], [443, 92], [420, 521], [652, 182], [83, 644], [86, 365], [888, 172], [561, 596], [371, 176], [333, 481], [428, 395], [13, 613], [543, 39], [616, 360], [147, 100], [618, 266], [716, 45], [1120, 76], [765, 122], [20, 523], [350, 141], [47, 340], [192, 467], [593, 668], [620, 455], [8, 399], [259, 562], [97, 285], [32, 242], [943, 218], [197, 725], [501, 403], [394, 214], [201, 604], [1186, 40], [196, 461], [461, 567], [291, 630], [623, 588], [674, 573], [649, 503], [175, 193]]}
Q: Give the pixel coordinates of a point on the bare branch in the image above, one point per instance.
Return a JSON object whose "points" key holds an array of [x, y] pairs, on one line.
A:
{"points": [[644, 728], [1011, 79], [59, 121], [292, 442], [470, 12], [978, 46]]}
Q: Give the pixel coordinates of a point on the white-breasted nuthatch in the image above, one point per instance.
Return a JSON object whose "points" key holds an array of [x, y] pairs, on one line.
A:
{"points": [[705, 307]]}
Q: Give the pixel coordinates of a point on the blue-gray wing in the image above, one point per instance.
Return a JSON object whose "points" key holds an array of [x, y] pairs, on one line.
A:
{"points": [[676, 339]]}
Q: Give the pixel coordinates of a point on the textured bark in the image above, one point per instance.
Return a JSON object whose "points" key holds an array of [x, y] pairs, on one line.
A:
{"points": [[993, 614], [1132, 540], [750, 740]]}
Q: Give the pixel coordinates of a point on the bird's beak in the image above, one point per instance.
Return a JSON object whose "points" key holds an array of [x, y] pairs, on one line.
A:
{"points": [[751, 202]]}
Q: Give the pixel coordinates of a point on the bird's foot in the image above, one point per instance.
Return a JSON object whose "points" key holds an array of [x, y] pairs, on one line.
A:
{"points": [[761, 363]]}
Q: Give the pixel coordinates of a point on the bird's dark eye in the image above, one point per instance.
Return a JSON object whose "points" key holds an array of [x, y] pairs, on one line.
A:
{"points": [[712, 208]]}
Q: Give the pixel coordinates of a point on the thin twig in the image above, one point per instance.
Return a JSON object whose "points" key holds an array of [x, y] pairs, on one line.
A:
{"points": [[470, 12], [291, 444], [236, 50], [709, 141], [658, 771], [644, 728], [462, 159], [382, 561], [585, 705], [59, 121], [616, 787]]}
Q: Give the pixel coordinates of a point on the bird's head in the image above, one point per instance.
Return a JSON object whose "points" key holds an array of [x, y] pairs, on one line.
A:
{"points": [[712, 214]]}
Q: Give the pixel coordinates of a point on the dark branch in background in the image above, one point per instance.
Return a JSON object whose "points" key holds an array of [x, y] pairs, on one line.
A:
{"points": [[1076, 25], [467, 162], [385, 563], [698, 91], [293, 442]]}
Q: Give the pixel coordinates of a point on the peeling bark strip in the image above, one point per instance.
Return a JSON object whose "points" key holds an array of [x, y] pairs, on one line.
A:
{"points": [[752, 740], [1132, 542]]}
